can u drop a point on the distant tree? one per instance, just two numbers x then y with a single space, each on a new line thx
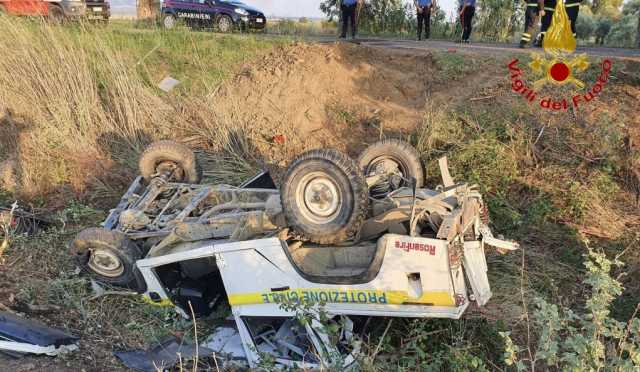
376 16
380 16
606 8
586 25
623 31
330 8
603 26
632 8
495 19
439 25
303 20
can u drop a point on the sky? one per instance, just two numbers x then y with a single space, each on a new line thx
277 8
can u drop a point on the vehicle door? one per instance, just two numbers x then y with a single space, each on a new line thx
475 267
181 9
191 12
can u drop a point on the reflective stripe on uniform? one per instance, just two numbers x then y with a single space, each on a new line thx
571 5
549 9
532 5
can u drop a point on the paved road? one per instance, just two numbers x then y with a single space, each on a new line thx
488 48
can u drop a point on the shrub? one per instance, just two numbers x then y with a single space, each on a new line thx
585 26
587 341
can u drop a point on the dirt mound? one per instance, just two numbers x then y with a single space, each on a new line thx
338 95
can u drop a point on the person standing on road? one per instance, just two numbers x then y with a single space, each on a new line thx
573 8
467 11
423 7
348 9
534 9
549 7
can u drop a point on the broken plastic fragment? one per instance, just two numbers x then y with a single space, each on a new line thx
19 336
167 84
164 356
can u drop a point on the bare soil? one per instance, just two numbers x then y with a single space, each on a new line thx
338 95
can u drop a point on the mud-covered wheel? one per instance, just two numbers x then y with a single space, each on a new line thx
324 197
169 21
108 256
389 165
224 23
56 14
173 160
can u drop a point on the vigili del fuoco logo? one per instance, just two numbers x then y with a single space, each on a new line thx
558 66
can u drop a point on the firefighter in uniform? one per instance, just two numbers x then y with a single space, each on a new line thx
573 8
534 9
549 7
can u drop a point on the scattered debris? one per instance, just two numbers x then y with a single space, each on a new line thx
163 356
20 336
279 139
167 84
226 343
23 221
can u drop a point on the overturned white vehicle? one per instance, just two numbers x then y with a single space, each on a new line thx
361 238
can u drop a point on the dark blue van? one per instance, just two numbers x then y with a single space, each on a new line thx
224 15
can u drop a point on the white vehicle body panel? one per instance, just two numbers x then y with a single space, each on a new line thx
416 278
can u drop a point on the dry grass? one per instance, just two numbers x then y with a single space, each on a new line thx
80 112
71 94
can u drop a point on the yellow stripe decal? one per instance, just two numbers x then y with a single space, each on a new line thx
342 296
162 303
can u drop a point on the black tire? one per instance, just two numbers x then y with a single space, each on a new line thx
319 179
108 256
172 158
56 14
224 23
401 153
169 21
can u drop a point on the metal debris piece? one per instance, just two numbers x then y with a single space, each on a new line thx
23 336
161 357
226 342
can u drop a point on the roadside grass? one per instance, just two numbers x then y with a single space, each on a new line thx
87 102
548 186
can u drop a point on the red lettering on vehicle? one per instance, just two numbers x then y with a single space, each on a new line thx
419 247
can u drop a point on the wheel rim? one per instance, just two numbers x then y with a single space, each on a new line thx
390 167
319 198
105 263
169 22
224 25
171 170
